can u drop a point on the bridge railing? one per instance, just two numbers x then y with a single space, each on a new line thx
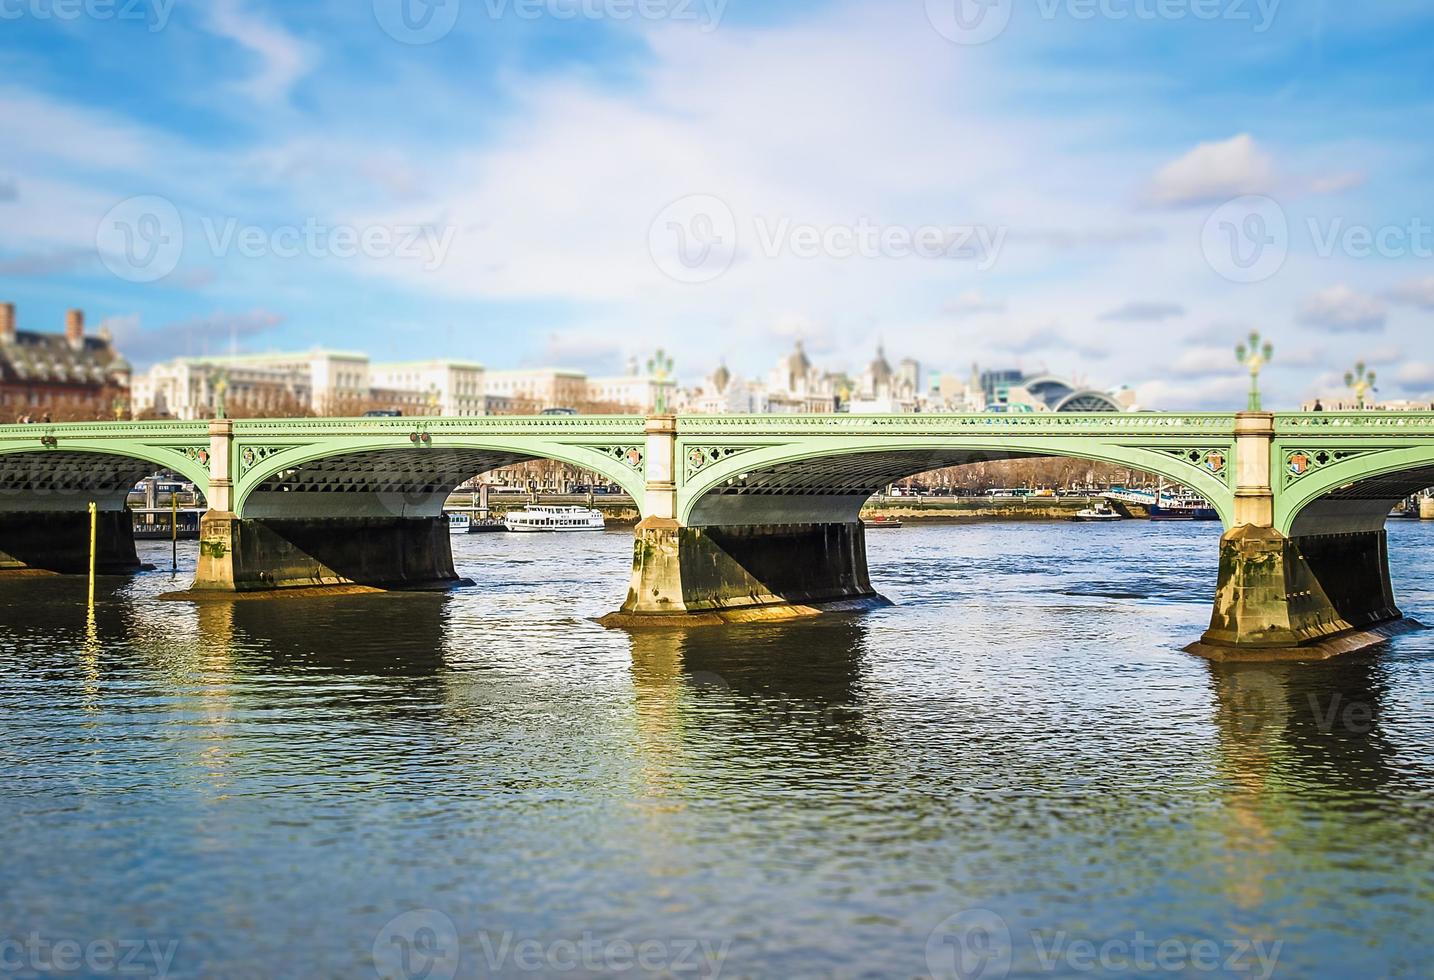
1042 423
156 429
437 424
1307 423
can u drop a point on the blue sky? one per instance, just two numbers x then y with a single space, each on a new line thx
1115 189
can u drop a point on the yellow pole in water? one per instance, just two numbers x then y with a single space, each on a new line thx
174 532
94 533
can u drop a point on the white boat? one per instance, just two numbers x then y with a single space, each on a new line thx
540 518
1098 513
458 523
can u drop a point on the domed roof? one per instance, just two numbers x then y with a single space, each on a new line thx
797 362
721 377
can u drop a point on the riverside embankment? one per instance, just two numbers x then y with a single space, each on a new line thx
917 510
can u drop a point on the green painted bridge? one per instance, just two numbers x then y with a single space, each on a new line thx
744 516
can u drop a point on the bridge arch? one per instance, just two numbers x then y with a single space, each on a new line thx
49 474
1345 490
71 473
800 483
396 476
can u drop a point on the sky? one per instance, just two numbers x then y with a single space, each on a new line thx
1115 190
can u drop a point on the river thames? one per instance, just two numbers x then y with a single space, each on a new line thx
1014 771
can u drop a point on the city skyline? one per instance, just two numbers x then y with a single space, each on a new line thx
286 134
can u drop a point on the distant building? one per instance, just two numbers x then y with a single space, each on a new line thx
795 387
1016 391
887 392
722 393
67 376
538 389
632 392
318 382
429 388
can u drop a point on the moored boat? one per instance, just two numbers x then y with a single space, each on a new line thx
881 522
543 518
1099 513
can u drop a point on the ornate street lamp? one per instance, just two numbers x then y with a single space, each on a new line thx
659 368
1362 381
1254 356
221 385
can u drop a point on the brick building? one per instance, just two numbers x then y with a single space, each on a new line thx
66 376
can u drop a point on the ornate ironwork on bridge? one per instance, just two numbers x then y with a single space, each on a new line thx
740 512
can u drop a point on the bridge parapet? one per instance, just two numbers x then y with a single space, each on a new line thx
1034 423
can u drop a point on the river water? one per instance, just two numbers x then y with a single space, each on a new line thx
1014 771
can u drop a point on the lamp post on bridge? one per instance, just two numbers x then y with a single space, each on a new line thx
1254 356
1362 381
221 385
659 368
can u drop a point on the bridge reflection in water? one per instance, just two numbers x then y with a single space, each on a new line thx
744 517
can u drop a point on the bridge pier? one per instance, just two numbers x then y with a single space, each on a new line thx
1277 592
1311 594
259 554
251 555
735 572
59 541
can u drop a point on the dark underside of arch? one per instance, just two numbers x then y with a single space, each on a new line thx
842 482
411 482
44 510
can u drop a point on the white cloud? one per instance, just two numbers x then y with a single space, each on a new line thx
283 59
1214 394
1143 312
34 126
1342 310
1214 172
1416 375
1338 183
1415 292
1201 362
211 334
973 302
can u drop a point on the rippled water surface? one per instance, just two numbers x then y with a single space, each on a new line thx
1014 758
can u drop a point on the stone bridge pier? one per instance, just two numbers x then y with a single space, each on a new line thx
1301 575
299 533
757 561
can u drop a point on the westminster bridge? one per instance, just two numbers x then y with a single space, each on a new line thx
744 517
